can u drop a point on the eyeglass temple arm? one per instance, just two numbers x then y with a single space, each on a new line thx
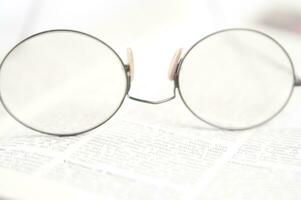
171 75
298 81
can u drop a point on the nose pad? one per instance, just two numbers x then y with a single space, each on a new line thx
130 59
174 64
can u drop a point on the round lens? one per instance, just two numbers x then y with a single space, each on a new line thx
236 79
62 82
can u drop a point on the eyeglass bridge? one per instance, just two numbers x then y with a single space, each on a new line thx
171 76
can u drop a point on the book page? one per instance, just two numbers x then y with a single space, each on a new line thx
134 157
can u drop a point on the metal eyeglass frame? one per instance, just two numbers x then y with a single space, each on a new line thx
173 75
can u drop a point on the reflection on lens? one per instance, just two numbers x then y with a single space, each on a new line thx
62 82
236 79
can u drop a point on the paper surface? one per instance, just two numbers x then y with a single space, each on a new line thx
129 158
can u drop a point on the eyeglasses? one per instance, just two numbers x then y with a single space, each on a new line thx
65 82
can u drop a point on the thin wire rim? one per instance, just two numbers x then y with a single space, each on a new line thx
251 126
70 31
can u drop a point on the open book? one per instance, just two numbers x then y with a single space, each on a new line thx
147 152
